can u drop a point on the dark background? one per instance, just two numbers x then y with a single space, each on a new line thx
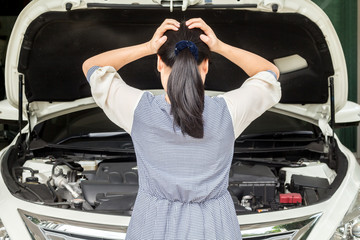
12 7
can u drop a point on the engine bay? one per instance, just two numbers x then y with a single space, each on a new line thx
110 186
279 163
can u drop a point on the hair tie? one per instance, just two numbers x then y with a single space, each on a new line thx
187 44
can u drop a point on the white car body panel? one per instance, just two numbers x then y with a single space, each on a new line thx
349 113
332 210
8 112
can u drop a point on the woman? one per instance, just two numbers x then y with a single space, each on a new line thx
183 140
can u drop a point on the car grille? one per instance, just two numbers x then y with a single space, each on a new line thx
288 229
50 228
44 227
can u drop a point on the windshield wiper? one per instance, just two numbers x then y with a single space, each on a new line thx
312 147
271 161
94 135
307 135
91 149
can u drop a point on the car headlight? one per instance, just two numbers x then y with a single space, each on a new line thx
350 225
3 233
44 227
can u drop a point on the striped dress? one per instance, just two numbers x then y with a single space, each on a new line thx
182 180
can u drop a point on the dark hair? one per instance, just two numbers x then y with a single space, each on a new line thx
185 88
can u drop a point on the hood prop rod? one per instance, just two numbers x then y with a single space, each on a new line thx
332 154
332 104
20 117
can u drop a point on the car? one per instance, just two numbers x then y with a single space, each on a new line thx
71 173
8 123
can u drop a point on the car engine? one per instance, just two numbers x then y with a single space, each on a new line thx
111 186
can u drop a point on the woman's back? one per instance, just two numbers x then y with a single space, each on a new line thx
183 180
179 167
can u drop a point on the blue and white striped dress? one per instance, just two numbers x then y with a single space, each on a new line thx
182 180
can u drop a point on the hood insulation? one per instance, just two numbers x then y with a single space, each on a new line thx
57 43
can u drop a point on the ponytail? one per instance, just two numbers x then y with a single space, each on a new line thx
185 90
185 87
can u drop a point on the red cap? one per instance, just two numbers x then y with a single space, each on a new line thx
290 198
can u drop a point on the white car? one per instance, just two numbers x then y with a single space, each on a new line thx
71 173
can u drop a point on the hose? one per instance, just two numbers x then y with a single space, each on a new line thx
79 168
24 186
51 189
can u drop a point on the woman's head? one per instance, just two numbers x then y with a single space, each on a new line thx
185 82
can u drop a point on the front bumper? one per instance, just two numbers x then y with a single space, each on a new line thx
318 221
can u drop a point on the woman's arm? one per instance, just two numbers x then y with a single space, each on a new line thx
110 92
120 57
260 92
249 62
117 58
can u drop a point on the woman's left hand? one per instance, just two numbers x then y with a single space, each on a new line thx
158 38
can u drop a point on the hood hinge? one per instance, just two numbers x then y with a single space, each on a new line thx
24 143
31 115
330 145
325 127
328 130
328 113
177 3
20 144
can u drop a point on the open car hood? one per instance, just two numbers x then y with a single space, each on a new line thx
51 39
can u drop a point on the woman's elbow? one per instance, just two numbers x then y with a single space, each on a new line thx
86 66
276 71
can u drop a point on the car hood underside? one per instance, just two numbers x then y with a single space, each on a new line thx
57 43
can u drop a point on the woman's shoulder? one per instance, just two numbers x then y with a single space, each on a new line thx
215 101
152 103
215 105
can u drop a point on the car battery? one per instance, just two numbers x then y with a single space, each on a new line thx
257 180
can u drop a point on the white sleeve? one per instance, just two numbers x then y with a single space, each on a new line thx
253 98
114 96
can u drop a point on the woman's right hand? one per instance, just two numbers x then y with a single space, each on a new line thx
209 37
159 38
